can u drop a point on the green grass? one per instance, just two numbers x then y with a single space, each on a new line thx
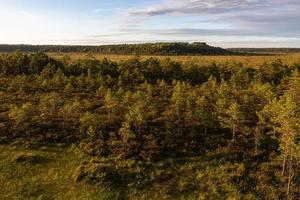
48 173
48 176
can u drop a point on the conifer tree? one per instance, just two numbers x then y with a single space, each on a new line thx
22 115
130 144
233 119
110 102
49 106
284 118
294 87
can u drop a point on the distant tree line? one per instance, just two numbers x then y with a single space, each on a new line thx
197 48
265 50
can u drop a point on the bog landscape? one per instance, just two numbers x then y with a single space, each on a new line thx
118 119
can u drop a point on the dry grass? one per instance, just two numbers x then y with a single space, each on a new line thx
253 60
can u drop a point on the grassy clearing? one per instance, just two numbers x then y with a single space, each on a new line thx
42 174
49 174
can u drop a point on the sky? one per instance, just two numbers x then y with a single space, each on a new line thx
224 23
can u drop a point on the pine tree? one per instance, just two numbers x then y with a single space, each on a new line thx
23 115
130 142
257 96
90 121
284 119
71 111
136 116
68 90
111 103
178 105
294 87
233 119
259 130
204 113
49 107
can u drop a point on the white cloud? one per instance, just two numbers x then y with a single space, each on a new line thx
209 6
195 7
273 18
97 10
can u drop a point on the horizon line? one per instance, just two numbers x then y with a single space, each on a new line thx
149 42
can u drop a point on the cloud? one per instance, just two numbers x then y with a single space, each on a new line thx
200 32
97 10
209 6
273 18
189 7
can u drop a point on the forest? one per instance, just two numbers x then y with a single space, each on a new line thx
171 48
148 128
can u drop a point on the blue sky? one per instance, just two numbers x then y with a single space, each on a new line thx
226 23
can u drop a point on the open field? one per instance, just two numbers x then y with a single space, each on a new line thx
252 60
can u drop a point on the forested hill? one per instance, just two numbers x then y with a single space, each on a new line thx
197 48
